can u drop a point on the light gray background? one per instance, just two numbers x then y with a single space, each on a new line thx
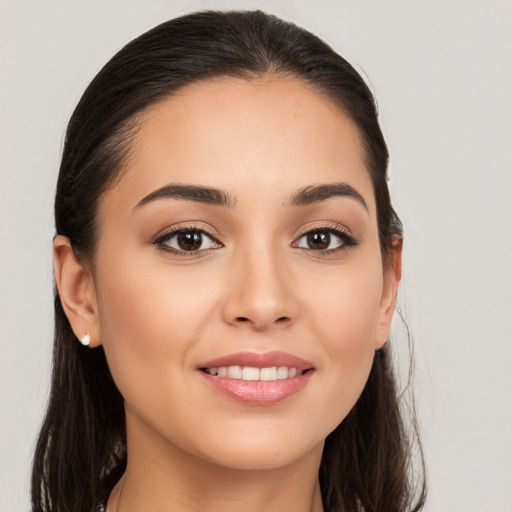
442 73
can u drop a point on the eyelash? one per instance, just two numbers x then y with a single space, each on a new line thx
348 240
160 242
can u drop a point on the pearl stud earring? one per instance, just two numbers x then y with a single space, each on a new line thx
86 339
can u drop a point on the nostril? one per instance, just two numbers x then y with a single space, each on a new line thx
280 320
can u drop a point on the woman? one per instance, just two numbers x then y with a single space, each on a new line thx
228 256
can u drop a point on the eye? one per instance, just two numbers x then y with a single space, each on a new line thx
187 240
326 240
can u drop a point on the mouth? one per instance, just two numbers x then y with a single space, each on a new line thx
252 373
257 378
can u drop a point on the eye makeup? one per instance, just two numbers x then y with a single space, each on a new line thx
345 238
188 236
189 240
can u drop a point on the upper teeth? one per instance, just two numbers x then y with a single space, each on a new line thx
252 373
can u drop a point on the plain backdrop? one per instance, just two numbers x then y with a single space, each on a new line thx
442 74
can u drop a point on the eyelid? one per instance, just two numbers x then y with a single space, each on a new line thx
168 233
336 228
348 240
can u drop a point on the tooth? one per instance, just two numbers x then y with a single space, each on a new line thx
250 373
235 372
253 373
282 372
268 373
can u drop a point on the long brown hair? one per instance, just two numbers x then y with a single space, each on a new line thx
81 449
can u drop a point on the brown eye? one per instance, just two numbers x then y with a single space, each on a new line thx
318 240
187 240
190 240
330 239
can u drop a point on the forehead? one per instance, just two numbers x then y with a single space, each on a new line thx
272 135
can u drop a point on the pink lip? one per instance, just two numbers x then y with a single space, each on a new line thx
258 392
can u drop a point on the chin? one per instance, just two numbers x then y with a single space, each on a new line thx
257 456
262 449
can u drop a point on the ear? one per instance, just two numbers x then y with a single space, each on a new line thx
392 275
77 291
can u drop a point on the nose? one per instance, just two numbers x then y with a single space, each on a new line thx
260 292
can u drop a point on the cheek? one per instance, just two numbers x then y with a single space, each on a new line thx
150 318
345 318
345 304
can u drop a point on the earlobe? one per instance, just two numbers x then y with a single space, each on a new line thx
77 292
387 305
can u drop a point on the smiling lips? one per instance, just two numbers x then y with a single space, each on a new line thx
258 378
253 373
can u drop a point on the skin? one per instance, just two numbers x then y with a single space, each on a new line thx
259 288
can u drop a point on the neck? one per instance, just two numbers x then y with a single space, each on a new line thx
161 477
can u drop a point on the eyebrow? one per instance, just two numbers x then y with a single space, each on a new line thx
196 193
319 193
217 197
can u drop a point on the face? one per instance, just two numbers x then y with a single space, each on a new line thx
279 268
